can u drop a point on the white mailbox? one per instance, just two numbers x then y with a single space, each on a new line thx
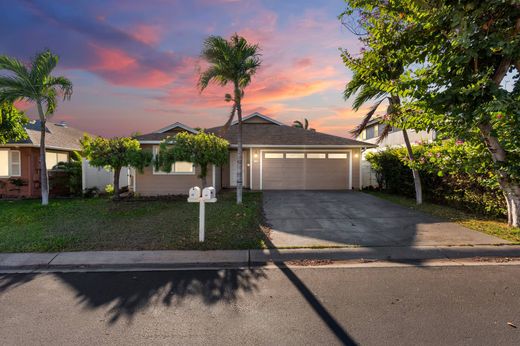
208 193
194 193
208 196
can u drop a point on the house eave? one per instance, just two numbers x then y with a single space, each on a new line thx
29 145
304 146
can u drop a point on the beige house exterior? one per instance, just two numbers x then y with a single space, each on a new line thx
275 157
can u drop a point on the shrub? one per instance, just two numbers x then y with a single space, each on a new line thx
452 172
73 171
109 189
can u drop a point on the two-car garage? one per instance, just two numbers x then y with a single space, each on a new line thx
305 170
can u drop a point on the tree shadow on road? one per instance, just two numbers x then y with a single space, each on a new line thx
130 293
11 281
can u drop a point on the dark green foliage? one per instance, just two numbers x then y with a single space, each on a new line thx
12 123
73 174
115 153
454 174
202 149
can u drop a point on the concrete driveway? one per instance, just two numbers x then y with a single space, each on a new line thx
324 218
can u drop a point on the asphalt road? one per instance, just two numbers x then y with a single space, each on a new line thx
297 306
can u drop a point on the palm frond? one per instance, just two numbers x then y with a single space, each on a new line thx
384 134
365 94
11 82
366 119
63 83
212 74
14 65
297 124
12 95
233 60
42 66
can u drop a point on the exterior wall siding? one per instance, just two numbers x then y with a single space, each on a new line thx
148 184
30 175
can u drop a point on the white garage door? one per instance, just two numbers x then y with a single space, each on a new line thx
292 170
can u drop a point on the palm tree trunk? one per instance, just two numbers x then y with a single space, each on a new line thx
238 98
44 176
416 177
117 173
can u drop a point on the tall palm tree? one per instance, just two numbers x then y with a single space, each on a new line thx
35 83
231 61
364 93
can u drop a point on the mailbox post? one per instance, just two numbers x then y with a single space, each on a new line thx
208 196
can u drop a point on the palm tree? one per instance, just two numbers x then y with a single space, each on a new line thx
231 61
35 83
304 125
364 93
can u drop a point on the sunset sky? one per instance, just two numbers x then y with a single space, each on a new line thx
134 63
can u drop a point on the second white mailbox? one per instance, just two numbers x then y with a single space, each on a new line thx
208 193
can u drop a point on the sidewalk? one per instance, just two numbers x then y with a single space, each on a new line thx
121 260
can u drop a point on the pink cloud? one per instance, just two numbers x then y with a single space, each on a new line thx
148 34
119 68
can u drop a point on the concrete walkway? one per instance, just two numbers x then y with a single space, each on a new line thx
339 218
121 260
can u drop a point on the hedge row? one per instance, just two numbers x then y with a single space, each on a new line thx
453 173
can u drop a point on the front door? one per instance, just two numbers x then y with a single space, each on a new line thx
233 169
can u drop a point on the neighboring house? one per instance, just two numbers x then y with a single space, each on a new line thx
394 139
20 161
276 157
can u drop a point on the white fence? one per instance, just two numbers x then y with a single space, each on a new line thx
100 177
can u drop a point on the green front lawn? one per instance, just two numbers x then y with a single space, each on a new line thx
101 224
496 227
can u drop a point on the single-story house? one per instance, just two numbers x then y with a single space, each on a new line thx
20 161
275 157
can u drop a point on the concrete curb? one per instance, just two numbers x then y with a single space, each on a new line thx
239 258
124 259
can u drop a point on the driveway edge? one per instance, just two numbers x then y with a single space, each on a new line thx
172 259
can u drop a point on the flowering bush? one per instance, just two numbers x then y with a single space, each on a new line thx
452 172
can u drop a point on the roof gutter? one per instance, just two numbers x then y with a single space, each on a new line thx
27 145
304 146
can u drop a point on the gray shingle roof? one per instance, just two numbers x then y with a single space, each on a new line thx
267 134
270 134
57 136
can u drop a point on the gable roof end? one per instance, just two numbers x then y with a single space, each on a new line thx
175 125
259 115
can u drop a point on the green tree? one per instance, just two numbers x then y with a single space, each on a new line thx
373 70
35 83
302 125
114 154
458 58
12 123
203 149
231 61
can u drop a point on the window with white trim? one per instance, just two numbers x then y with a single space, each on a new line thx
337 155
316 155
294 155
274 155
53 158
10 163
179 167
